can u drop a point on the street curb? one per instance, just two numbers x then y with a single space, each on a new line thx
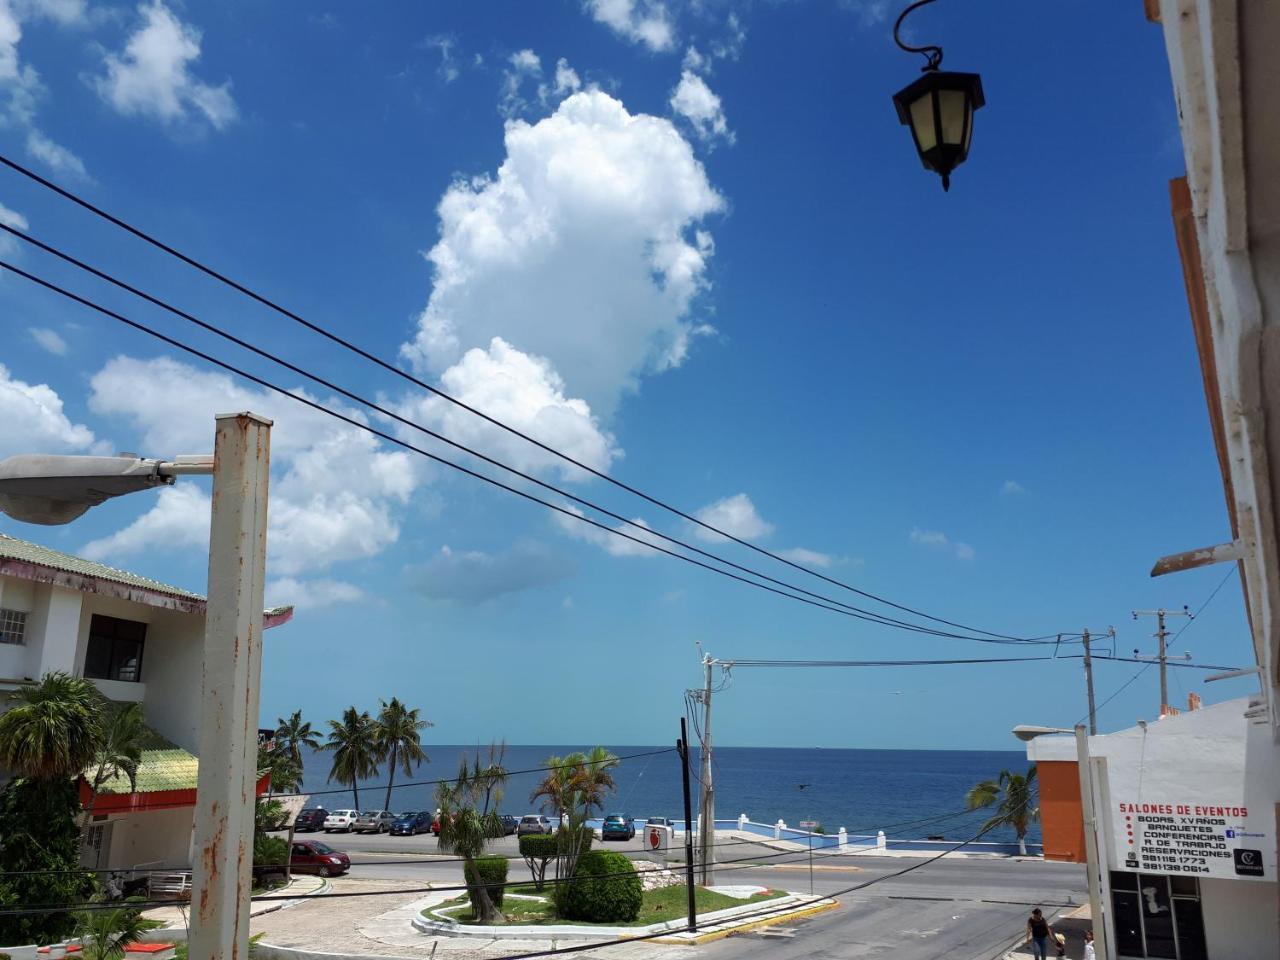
699 939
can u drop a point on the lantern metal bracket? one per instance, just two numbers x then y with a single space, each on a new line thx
931 53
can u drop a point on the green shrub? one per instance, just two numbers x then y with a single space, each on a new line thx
563 836
605 889
270 851
39 858
491 872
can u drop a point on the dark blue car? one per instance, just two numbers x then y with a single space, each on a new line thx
411 824
617 826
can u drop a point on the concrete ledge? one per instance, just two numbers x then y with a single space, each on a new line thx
710 922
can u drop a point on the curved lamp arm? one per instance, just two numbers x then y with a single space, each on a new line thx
932 54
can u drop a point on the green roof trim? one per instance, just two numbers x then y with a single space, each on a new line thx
11 548
23 551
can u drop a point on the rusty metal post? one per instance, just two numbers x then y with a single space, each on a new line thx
225 796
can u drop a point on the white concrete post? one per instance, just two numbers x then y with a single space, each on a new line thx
778 828
742 822
1101 945
843 838
225 793
880 841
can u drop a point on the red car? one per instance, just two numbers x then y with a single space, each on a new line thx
314 856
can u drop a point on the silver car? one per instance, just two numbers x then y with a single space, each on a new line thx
533 823
373 821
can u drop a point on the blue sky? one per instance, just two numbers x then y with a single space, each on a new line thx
688 242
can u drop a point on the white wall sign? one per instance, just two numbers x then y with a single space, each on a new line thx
1199 838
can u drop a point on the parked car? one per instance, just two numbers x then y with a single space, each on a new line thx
312 856
373 821
342 820
509 824
617 826
661 822
411 824
533 823
312 818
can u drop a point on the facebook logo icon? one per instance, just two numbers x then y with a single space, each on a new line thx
1231 833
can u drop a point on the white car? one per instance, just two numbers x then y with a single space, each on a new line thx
342 820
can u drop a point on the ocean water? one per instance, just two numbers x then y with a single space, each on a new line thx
861 790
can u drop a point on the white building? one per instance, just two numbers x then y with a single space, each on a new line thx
1188 805
1186 810
140 641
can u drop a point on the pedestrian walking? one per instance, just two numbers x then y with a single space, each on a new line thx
1039 932
1088 946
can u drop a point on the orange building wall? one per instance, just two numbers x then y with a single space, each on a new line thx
1061 821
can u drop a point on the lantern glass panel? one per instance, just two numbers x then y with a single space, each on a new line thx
951 104
922 122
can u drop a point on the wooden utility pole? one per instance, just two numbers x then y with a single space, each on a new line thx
1161 635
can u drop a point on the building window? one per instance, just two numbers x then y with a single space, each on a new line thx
1157 916
13 626
115 649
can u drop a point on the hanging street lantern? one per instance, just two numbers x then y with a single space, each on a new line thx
938 108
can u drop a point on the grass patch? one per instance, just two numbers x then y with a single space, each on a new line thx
658 906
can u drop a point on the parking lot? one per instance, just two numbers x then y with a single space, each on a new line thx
425 845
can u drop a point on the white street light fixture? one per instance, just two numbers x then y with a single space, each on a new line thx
1027 733
37 488
49 490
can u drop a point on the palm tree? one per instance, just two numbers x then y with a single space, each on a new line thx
466 828
286 775
119 752
399 740
294 734
54 731
572 787
1016 795
105 933
355 750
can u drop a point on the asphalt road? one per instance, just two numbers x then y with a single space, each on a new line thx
909 909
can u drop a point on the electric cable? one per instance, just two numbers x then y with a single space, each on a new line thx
382 434
393 369
405 421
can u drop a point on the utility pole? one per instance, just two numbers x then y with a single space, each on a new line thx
1088 676
1088 682
683 744
226 788
707 836
1161 635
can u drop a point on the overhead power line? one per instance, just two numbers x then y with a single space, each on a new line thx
880 663
422 384
800 594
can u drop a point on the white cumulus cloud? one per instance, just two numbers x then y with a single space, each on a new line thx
578 250
152 76
641 21
336 491
809 558
49 340
179 520
1012 488
695 101
523 392
34 421
635 543
736 516
938 539
55 156
311 594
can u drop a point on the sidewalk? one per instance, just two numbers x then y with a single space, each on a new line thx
1073 924
177 916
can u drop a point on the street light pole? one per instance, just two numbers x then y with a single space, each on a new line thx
1093 864
226 788
47 489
